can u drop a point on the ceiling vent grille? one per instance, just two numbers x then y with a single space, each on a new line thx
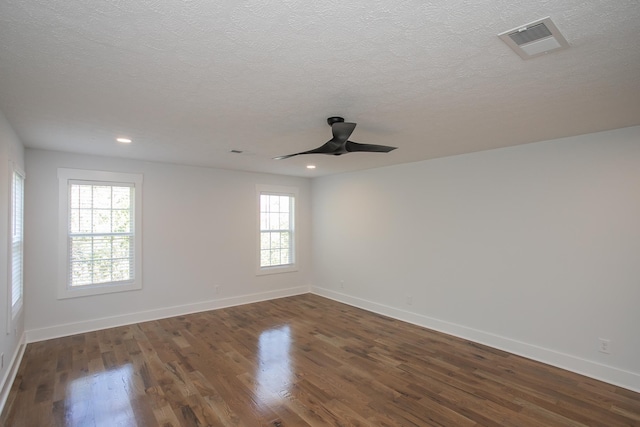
535 38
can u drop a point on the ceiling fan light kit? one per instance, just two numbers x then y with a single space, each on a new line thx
340 144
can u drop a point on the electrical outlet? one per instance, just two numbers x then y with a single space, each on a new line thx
604 346
409 300
216 289
341 284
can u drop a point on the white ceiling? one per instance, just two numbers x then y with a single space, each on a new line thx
190 80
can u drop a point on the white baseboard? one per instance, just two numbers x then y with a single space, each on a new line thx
12 370
598 371
67 329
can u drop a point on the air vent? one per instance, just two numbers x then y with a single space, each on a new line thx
530 34
535 38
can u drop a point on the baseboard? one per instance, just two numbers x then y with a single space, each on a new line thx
67 329
609 374
12 371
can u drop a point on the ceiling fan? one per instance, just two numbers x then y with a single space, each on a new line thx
340 143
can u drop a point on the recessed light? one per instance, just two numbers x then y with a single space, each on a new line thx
311 166
124 140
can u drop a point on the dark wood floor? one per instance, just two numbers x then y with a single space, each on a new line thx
299 361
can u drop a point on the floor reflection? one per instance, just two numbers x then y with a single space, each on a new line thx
101 399
274 365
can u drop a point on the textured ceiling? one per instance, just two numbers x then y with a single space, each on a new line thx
191 80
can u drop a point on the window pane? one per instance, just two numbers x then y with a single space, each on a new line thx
101 221
283 221
102 271
264 258
121 270
101 247
274 241
265 240
121 247
264 203
81 273
121 197
101 197
274 221
121 221
74 196
74 221
81 249
85 195
16 273
284 257
284 240
274 204
86 219
284 203
274 257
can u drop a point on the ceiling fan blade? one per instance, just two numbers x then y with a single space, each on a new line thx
354 146
342 131
328 147
285 157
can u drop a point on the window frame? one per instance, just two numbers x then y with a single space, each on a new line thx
65 178
15 308
277 191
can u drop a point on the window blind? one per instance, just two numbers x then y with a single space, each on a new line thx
17 239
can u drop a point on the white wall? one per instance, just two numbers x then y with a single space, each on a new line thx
11 151
534 249
199 231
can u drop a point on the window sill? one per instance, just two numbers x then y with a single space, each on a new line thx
263 271
89 290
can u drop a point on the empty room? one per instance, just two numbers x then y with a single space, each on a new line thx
414 213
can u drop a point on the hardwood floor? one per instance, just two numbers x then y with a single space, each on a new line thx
298 361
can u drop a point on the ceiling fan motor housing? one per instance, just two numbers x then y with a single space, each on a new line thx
332 120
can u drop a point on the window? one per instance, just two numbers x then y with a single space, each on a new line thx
17 241
100 216
276 249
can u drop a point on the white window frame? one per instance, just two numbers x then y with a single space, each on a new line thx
65 176
279 191
15 308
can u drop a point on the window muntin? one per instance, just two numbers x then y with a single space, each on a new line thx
100 233
17 241
276 234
